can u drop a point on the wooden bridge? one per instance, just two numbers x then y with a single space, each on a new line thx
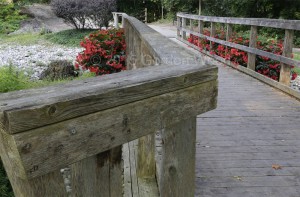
135 133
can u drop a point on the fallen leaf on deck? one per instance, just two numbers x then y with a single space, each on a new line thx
276 167
238 178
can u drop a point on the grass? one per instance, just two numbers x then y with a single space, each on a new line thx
69 38
12 80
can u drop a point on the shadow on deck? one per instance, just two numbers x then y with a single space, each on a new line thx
254 128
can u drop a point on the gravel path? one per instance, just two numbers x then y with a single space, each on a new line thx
33 60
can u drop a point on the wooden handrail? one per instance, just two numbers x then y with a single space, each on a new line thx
262 22
285 59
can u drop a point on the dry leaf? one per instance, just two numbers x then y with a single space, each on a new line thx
238 178
276 167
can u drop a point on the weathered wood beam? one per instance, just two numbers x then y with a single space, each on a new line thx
252 43
285 71
262 22
24 110
48 148
177 176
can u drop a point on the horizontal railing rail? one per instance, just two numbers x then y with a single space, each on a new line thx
285 59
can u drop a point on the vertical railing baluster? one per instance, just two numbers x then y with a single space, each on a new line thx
285 71
178 26
253 44
183 27
212 33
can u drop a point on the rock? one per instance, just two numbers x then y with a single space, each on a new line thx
58 70
42 19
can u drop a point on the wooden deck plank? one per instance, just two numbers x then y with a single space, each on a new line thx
253 128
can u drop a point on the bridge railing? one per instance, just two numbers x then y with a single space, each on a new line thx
66 140
285 59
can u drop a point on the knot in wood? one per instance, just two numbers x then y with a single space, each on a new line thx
51 110
172 170
125 121
26 148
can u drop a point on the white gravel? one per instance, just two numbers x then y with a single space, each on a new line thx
33 60
295 84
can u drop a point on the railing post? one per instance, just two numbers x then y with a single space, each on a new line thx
183 33
200 26
146 165
178 159
122 25
191 24
116 20
178 26
228 31
253 44
99 174
212 33
200 29
285 71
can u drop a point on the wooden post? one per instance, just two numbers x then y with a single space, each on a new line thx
146 15
201 26
116 20
212 33
100 174
253 44
42 186
191 24
178 26
146 157
228 31
200 7
178 159
183 26
122 25
285 71
200 29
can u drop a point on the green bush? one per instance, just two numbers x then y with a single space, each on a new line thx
9 17
5 187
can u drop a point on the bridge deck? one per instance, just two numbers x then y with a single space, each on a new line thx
255 129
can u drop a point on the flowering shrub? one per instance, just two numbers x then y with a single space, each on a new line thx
104 52
264 65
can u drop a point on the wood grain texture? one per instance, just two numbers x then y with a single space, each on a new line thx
285 71
177 176
178 25
263 22
44 185
145 157
99 175
183 33
54 146
229 30
252 43
49 105
212 34
136 186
